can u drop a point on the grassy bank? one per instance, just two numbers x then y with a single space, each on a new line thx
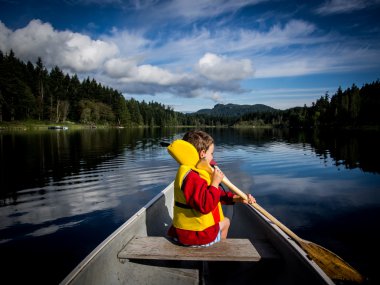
42 125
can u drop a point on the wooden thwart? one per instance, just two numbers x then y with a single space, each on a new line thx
161 248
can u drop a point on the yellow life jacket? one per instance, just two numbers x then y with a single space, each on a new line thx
185 217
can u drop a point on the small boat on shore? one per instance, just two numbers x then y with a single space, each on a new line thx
256 252
58 128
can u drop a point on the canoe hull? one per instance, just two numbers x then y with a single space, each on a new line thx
283 261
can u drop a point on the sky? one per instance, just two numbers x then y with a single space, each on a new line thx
194 54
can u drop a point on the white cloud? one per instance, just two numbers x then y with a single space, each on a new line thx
66 49
119 68
219 68
183 50
215 96
133 77
152 74
198 9
128 71
331 58
129 42
219 74
344 6
4 35
293 33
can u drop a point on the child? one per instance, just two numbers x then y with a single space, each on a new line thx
198 217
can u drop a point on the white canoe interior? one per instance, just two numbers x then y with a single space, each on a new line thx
256 252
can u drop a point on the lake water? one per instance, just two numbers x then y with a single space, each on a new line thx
63 192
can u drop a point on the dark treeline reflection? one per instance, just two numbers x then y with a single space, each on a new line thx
33 159
351 149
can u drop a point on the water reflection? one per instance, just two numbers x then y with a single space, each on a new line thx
72 174
44 157
79 186
349 149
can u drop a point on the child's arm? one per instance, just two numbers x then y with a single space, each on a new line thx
199 195
226 197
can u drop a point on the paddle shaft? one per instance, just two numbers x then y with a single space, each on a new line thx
203 164
237 191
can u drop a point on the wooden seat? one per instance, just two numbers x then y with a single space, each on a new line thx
161 248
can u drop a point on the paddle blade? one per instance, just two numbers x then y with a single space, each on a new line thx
334 266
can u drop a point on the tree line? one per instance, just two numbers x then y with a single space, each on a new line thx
353 107
30 92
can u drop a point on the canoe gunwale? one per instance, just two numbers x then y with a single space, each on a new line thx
294 245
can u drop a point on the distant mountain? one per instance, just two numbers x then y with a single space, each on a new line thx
232 110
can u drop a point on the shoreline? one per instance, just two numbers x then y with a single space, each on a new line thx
45 125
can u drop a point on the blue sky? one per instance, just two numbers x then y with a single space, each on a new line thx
193 54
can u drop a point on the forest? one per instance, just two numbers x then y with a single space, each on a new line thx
30 92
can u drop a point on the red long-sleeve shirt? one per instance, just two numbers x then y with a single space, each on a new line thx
204 199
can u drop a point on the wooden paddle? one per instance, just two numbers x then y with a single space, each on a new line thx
334 266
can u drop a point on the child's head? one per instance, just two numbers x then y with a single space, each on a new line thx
203 143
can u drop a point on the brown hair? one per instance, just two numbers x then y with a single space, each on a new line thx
201 140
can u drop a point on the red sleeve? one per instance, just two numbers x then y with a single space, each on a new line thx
199 195
226 197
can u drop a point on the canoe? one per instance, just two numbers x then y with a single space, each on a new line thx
271 256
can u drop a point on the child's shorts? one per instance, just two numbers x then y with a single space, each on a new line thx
217 239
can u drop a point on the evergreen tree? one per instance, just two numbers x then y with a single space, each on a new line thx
41 75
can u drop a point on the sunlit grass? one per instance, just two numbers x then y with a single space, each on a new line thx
42 125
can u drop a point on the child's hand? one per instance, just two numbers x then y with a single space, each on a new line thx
250 201
217 177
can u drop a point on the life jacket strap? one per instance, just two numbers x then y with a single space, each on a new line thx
181 205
